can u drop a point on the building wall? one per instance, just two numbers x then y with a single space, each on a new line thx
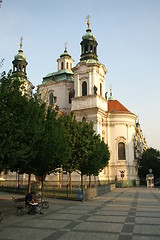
121 128
60 90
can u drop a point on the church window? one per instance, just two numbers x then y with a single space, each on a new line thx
86 48
94 49
101 89
84 88
51 99
19 67
70 65
121 151
70 97
67 65
91 48
61 65
83 119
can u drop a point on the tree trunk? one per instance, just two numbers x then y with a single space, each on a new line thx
89 180
29 182
82 185
18 181
95 181
42 188
70 182
62 177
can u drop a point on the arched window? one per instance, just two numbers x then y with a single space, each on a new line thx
67 65
91 48
70 65
51 99
121 151
84 119
70 97
101 89
86 48
84 88
61 65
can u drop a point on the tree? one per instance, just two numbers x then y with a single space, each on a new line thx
150 159
69 126
52 147
84 147
98 159
21 124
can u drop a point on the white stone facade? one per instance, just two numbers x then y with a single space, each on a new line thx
115 123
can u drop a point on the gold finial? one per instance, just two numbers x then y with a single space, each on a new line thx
21 39
88 22
110 90
66 44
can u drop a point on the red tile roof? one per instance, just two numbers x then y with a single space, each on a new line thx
115 106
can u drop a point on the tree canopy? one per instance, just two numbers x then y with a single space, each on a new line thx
150 159
34 140
31 140
52 148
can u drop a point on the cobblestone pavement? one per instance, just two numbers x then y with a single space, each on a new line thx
125 214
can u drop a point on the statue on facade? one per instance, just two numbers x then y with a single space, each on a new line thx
95 89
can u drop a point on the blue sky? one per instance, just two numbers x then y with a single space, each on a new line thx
128 35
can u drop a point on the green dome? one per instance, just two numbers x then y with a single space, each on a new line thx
65 53
20 56
88 35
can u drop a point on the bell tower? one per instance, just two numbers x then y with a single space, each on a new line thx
19 69
20 64
89 102
88 45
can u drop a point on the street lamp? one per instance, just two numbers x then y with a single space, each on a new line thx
122 174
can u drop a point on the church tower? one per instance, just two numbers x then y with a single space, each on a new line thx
57 88
19 69
89 103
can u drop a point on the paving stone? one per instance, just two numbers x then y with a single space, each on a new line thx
147 229
71 225
128 228
55 235
88 236
130 219
110 219
125 237
100 226
61 216
25 233
125 214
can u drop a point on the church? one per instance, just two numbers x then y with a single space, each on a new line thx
81 88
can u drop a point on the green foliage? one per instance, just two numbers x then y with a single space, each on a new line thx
150 159
99 157
87 153
84 145
21 122
70 130
52 148
34 140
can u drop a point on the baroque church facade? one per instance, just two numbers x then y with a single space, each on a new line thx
81 89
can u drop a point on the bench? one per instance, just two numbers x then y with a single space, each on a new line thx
1 216
43 204
20 205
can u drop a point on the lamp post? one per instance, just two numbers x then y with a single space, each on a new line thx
122 175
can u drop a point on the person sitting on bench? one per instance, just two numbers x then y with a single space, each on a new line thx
33 206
